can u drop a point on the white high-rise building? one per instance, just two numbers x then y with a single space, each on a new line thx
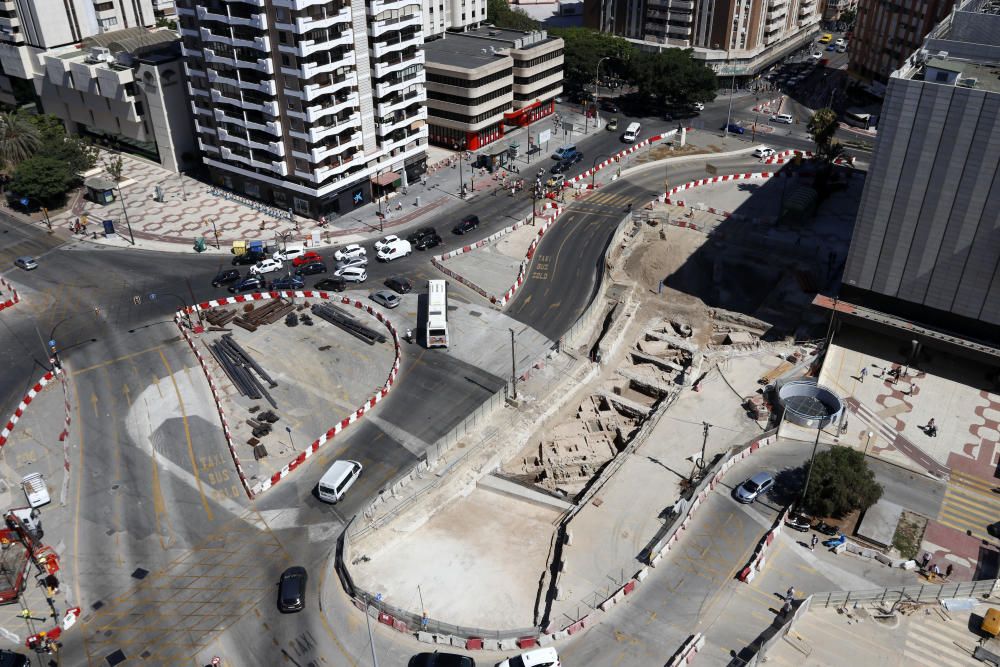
307 105
441 16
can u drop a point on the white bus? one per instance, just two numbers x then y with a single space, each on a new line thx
437 313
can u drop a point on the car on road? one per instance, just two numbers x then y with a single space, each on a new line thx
467 224
699 106
385 298
311 269
842 48
428 242
817 55
398 284
753 488
292 589
225 277
564 152
26 262
437 659
539 657
841 42
349 251
288 282
249 284
307 258
554 181
831 47
825 39
415 237
395 250
12 659
763 152
783 118
608 105
248 258
733 128
352 274
351 261
266 266
289 253
612 125
385 242
335 284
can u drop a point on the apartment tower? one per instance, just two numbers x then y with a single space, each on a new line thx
309 105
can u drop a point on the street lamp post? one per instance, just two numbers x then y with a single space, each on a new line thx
125 211
513 364
593 168
732 91
25 200
870 436
215 231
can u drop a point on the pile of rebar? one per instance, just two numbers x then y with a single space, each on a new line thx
268 314
219 318
238 365
338 317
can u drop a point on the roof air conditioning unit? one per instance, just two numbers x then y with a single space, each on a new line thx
494 33
98 54
969 82
942 54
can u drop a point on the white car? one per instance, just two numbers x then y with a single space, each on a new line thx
289 253
539 657
782 118
352 274
816 56
395 250
353 250
842 48
763 152
841 42
385 242
699 106
266 266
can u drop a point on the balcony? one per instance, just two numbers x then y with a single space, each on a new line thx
317 155
259 43
260 65
389 145
678 32
204 14
398 102
315 112
309 70
398 64
397 43
775 15
269 165
395 85
376 7
303 25
687 5
382 27
313 90
342 165
308 47
297 5
401 121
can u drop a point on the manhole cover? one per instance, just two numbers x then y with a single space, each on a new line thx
97 605
475 313
140 573
116 658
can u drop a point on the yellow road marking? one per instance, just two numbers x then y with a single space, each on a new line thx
79 488
115 361
187 436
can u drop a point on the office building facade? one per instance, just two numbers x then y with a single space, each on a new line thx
926 244
314 107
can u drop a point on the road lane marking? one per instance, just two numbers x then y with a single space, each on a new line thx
114 361
187 436
79 489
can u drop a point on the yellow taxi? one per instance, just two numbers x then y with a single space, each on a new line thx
826 39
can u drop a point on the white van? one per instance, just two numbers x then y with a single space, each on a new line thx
394 250
631 133
337 480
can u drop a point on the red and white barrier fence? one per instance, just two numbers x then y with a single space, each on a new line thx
770 106
262 486
23 405
685 654
757 561
14 299
619 155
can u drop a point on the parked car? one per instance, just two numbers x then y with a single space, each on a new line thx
352 274
539 657
797 522
335 284
292 589
288 283
733 128
842 48
351 261
841 42
385 242
467 224
266 266
248 258
13 659
26 262
763 152
225 277
831 47
783 118
307 258
395 250
438 659
612 125
429 242
399 284
349 251
756 486
415 237
311 269
384 297
249 284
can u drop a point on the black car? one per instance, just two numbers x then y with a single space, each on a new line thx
437 659
292 589
560 167
248 258
335 284
225 277
288 282
398 284
468 223
249 284
428 242
12 659
574 158
310 269
608 105
415 237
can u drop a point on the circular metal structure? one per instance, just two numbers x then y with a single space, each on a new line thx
810 404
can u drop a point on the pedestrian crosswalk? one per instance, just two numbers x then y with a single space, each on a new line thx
605 199
933 638
969 505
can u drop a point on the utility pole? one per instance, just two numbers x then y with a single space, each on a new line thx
812 459
371 637
125 213
513 364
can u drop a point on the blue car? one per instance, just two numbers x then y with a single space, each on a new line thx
288 282
733 128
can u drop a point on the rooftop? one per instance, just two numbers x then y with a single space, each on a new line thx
978 76
458 50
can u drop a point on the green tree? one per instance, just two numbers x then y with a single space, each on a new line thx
840 482
672 75
114 166
822 126
19 140
42 177
848 16
502 15
582 51
79 155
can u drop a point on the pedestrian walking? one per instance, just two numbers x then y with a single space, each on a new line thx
864 372
931 428
936 570
813 542
926 559
790 593
948 570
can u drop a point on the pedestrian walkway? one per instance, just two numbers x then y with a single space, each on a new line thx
970 505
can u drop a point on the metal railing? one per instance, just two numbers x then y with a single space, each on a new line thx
921 593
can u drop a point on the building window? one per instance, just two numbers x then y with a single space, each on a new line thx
301 205
251 188
107 23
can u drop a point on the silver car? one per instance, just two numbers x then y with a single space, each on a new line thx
386 298
351 261
27 263
756 486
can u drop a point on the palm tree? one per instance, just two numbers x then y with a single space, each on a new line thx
19 140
